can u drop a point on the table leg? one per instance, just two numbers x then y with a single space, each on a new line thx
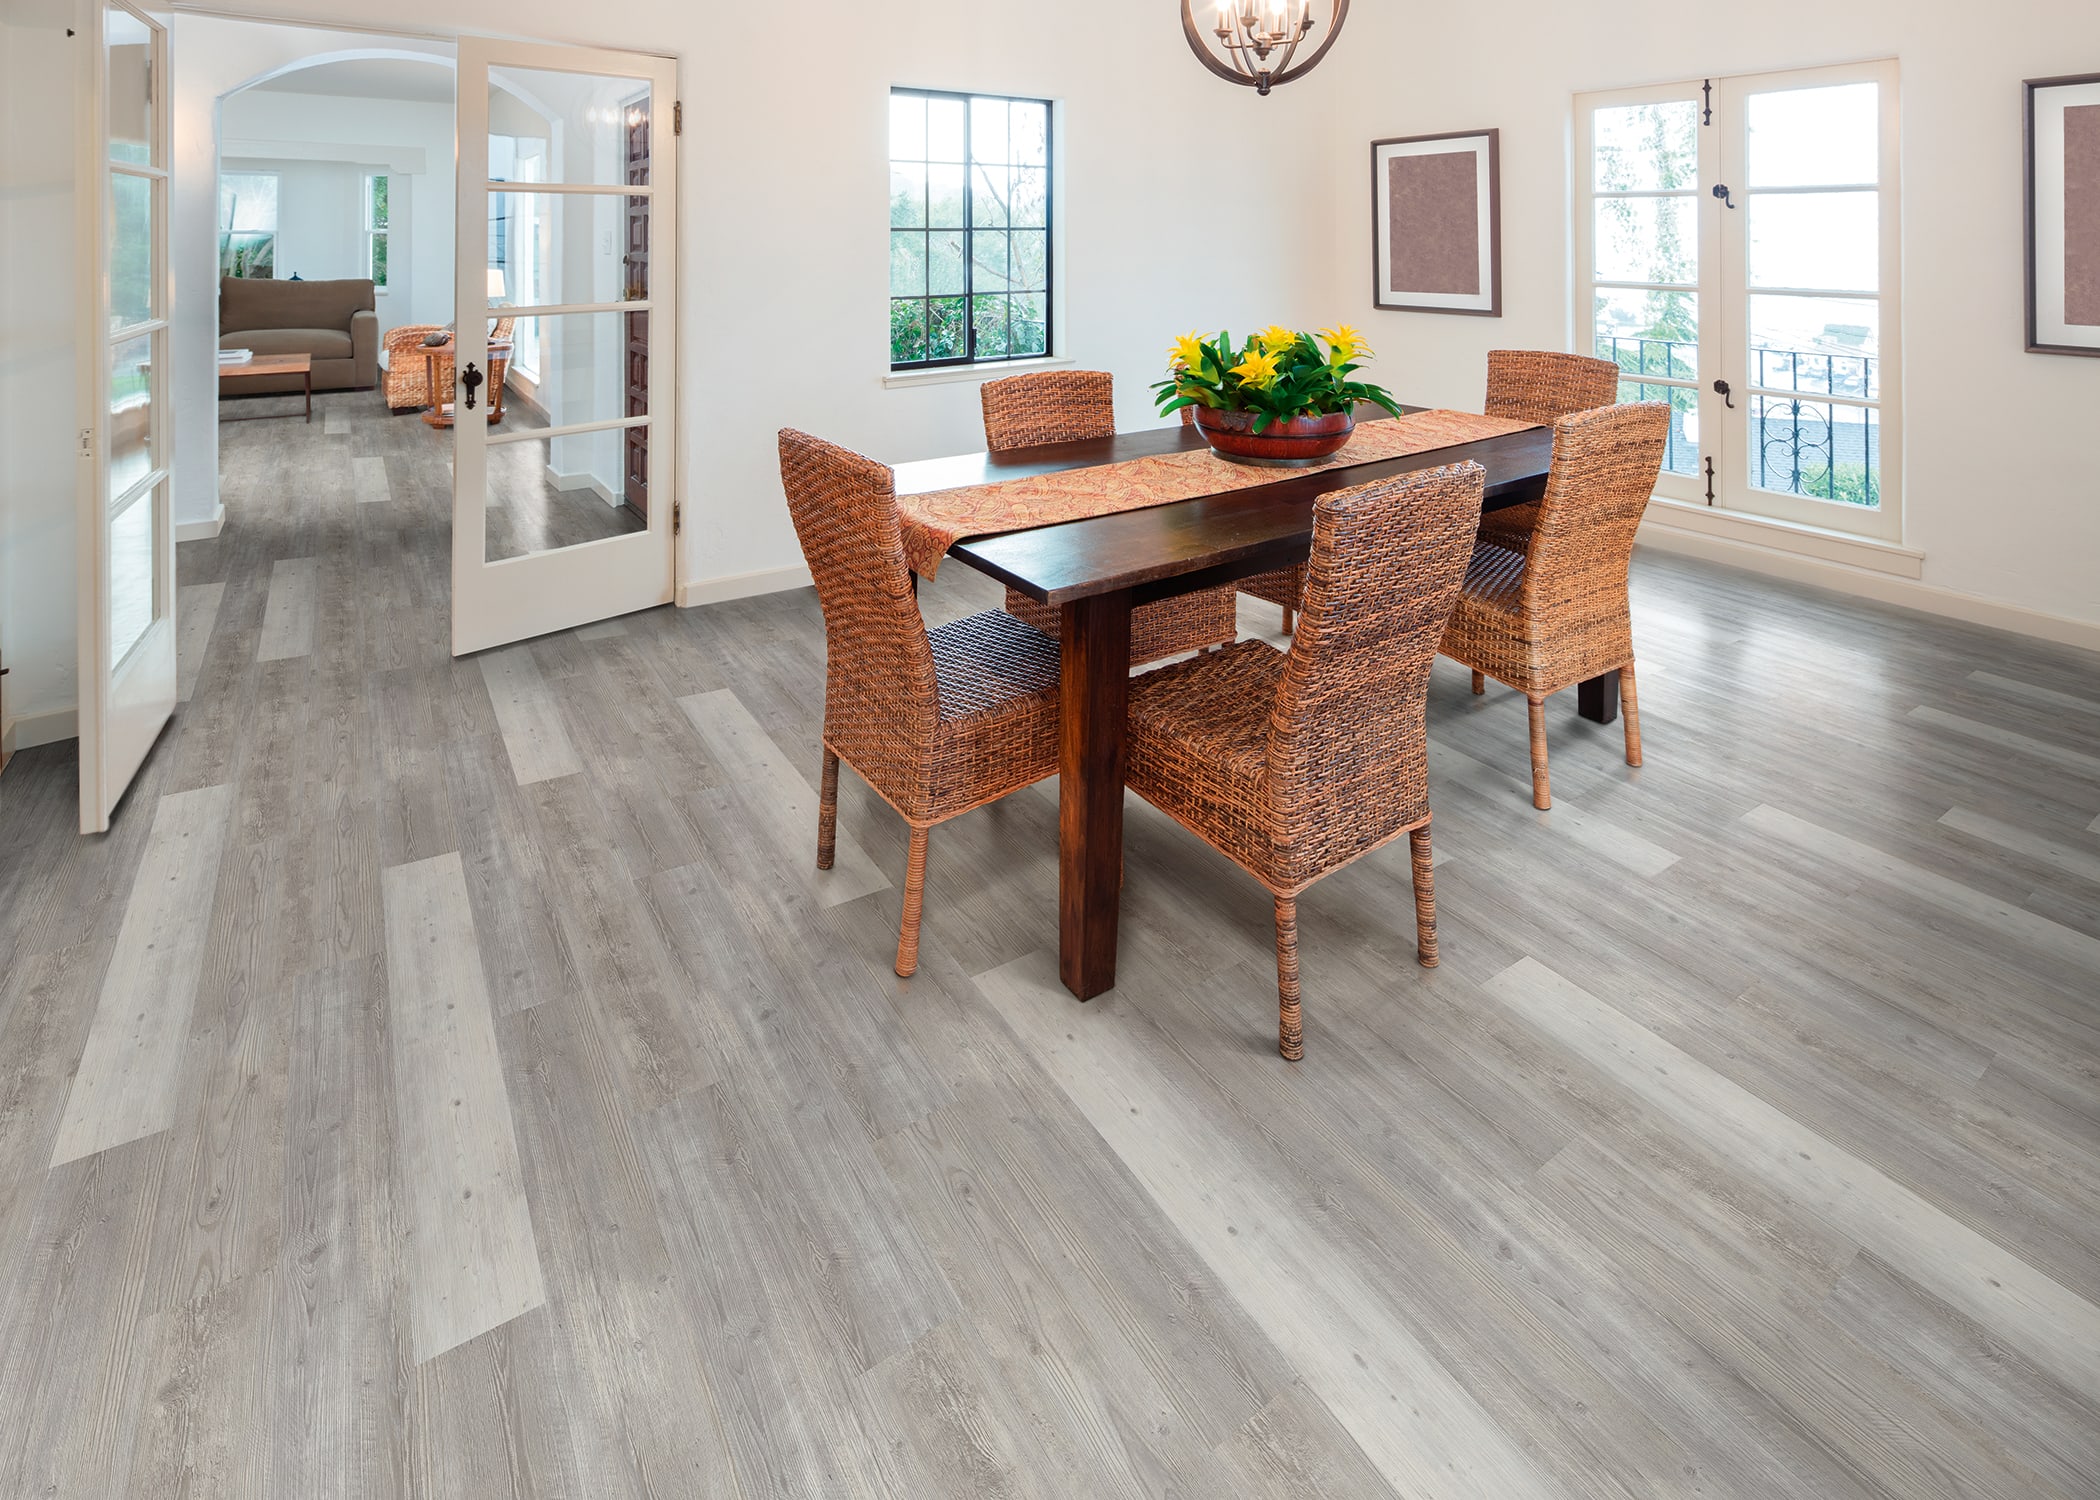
1095 690
1598 698
309 395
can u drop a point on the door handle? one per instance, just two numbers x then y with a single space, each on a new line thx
1721 389
1721 192
471 378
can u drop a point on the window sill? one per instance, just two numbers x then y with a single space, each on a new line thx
898 380
1785 536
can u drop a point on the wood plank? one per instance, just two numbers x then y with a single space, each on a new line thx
1598 835
126 1083
288 619
196 613
2056 1329
369 471
533 733
779 797
2077 761
2079 864
474 1263
1416 1423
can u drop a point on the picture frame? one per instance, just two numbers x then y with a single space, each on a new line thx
1436 223
2062 228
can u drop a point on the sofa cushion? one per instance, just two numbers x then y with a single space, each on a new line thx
247 302
321 343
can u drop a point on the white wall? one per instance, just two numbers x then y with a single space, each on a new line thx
38 611
2000 490
212 58
785 188
339 139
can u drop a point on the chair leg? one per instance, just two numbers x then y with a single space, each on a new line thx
1290 619
1541 785
914 897
1425 897
1629 705
828 812
1480 683
1290 1024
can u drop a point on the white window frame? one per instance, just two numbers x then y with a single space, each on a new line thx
1723 292
374 233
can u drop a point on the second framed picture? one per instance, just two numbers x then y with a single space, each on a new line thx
1436 223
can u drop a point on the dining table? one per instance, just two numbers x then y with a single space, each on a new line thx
1095 570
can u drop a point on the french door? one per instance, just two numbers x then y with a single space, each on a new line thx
126 530
1738 241
566 345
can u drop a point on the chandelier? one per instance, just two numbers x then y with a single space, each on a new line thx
1257 42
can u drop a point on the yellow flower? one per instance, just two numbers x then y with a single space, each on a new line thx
1188 352
1344 344
1257 370
1277 339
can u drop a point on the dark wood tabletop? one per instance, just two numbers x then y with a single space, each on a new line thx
1188 544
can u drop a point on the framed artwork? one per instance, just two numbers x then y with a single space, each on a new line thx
1436 223
2063 215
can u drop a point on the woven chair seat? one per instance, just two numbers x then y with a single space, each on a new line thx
1199 740
988 663
1511 526
1494 578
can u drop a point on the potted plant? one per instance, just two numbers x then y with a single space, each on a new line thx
1281 398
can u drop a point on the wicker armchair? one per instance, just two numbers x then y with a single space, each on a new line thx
937 722
1293 764
1555 613
404 384
1540 385
1066 406
407 385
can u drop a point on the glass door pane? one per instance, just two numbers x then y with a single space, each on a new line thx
1811 229
565 182
1645 262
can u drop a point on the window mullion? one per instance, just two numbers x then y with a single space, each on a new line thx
969 153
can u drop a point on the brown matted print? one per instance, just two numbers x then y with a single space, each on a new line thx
1436 223
2063 214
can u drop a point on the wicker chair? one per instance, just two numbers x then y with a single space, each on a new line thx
406 385
937 722
1540 385
1066 406
1555 613
1293 764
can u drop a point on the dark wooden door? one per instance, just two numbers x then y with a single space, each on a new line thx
637 275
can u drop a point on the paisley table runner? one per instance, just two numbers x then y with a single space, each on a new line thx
936 521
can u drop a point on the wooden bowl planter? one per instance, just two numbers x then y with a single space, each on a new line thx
1291 443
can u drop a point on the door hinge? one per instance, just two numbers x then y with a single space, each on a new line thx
1709 481
87 442
677 518
678 117
1707 88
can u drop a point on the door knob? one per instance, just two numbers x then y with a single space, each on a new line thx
471 378
1721 389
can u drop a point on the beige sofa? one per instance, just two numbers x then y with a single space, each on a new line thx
331 320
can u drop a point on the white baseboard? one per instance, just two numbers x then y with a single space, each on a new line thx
569 483
202 531
1883 587
742 586
31 730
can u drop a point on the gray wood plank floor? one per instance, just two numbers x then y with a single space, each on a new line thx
455 1079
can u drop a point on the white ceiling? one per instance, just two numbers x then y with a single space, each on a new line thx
370 78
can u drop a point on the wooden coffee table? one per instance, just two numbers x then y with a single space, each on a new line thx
268 364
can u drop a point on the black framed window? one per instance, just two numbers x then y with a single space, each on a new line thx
970 273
